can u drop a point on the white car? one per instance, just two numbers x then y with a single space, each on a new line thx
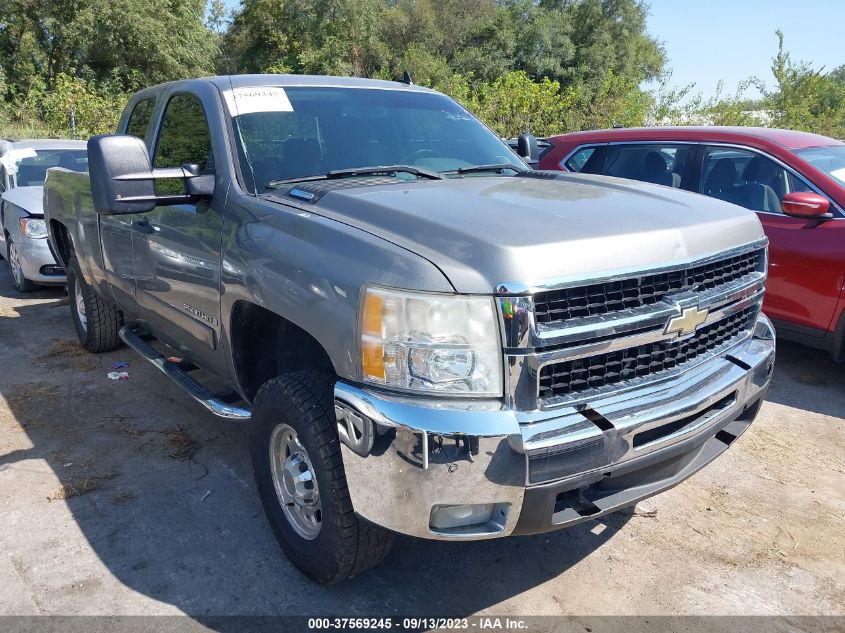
23 167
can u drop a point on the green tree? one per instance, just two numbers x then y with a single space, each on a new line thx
805 98
81 56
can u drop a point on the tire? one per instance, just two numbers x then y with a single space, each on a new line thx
21 283
97 321
344 545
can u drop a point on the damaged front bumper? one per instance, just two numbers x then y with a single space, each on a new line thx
409 459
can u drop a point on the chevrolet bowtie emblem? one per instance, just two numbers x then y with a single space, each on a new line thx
687 321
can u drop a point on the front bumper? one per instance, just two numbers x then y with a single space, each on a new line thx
544 470
38 263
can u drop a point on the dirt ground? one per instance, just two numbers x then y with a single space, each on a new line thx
124 497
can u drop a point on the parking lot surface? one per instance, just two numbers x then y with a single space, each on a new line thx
125 497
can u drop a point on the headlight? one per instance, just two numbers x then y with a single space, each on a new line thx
34 228
444 344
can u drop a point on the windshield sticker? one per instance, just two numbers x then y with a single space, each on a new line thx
257 99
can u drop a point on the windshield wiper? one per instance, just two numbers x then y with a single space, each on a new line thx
359 171
496 167
384 169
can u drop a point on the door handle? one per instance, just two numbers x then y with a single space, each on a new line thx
143 226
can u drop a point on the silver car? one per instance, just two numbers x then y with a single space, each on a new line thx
23 167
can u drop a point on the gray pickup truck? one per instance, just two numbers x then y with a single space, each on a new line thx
427 337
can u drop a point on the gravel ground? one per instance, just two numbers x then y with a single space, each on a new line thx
127 498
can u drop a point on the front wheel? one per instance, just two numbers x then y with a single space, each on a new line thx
299 474
97 321
19 281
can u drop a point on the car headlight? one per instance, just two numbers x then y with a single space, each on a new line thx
446 344
34 228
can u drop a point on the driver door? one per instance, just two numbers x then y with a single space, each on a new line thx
177 248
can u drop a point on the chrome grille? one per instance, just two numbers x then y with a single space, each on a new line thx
613 296
571 377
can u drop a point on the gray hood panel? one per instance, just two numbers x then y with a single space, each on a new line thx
30 199
486 231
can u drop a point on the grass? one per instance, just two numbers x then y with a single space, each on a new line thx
80 358
69 349
183 444
34 391
79 487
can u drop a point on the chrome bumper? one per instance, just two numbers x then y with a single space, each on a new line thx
547 469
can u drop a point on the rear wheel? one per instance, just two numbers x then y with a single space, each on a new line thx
299 474
19 281
97 321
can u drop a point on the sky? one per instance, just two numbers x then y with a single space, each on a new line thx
711 40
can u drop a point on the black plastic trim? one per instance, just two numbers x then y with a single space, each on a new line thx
545 507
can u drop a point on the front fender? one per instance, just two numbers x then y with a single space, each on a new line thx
310 270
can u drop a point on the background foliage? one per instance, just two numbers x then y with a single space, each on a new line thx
551 66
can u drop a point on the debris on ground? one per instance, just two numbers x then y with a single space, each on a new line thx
122 427
123 497
644 510
79 488
184 445
34 391
69 348
59 457
811 379
84 363
208 492
118 375
31 405
120 364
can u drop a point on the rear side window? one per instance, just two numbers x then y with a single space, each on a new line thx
183 138
661 164
743 177
577 160
139 120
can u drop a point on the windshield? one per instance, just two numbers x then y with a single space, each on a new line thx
29 166
297 132
829 159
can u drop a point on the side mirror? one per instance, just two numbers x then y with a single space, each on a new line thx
805 204
528 148
123 179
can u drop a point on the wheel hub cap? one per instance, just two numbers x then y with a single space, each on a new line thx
80 305
295 482
15 264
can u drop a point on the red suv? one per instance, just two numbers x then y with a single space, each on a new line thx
795 181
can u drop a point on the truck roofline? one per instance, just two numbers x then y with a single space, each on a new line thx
227 82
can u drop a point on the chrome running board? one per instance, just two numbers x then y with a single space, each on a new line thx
221 405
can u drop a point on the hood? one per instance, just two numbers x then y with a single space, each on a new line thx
488 232
30 199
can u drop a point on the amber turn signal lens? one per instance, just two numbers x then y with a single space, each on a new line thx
372 354
373 361
373 310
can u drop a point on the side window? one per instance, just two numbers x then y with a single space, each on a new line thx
661 164
2 179
743 177
797 184
139 120
183 138
576 161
